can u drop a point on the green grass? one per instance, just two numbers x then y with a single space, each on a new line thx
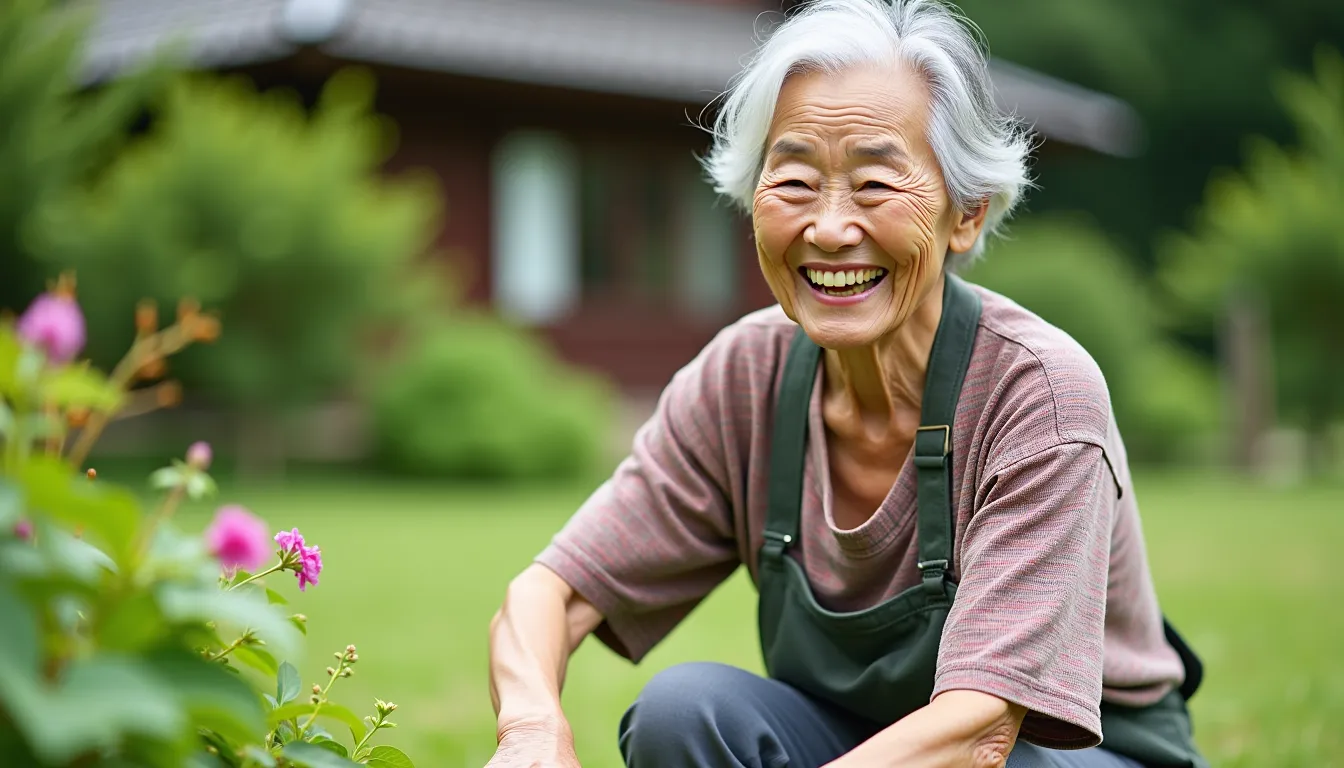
413 575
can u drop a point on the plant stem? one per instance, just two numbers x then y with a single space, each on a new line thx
322 698
256 576
376 727
231 647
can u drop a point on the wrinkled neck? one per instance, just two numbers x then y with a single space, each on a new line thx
884 381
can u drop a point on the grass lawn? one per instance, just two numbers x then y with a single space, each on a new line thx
413 575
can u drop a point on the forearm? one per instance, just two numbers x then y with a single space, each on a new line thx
541 622
958 729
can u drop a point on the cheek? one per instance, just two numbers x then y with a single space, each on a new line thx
777 225
905 228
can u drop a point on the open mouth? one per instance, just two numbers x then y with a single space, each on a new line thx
850 282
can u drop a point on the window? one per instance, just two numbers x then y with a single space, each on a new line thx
535 227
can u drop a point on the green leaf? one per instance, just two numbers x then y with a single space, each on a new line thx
302 626
275 598
212 696
100 703
168 477
240 608
79 386
19 639
10 350
109 514
259 756
389 757
6 419
309 755
132 624
200 486
288 684
290 711
331 745
11 504
259 659
348 718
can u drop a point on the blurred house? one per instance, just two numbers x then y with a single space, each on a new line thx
563 133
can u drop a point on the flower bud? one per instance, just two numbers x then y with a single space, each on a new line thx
354 657
337 655
314 699
330 671
349 649
317 688
77 417
347 672
54 324
92 473
146 317
199 455
23 529
168 394
204 329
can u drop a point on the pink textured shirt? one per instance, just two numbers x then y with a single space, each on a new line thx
1055 608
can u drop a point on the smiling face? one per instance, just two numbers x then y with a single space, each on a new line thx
852 218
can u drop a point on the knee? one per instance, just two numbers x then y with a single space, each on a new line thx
682 711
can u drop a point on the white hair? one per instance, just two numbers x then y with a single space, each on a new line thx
982 152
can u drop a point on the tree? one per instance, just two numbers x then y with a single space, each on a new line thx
1269 233
55 135
276 217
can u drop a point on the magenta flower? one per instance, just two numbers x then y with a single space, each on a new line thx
199 455
312 566
238 538
305 561
23 529
54 324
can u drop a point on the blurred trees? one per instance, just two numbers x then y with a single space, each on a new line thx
1268 235
1065 269
271 216
54 136
1199 72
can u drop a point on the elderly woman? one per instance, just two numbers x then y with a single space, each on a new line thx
924 479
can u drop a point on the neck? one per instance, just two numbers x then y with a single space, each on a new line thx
885 380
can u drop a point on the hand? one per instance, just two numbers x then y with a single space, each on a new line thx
535 745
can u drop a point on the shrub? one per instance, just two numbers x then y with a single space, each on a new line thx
276 217
125 641
477 399
1064 269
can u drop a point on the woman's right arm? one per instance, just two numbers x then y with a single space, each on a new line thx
542 621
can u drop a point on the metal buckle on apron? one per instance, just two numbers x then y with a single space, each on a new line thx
776 543
932 573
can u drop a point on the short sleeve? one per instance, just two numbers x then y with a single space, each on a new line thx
1028 621
658 536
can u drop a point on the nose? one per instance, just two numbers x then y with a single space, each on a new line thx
833 231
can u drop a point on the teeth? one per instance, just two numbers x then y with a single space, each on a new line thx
844 278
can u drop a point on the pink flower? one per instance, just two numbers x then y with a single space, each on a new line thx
23 529
54 324
289 541
238 538
305 561
199 455
312 566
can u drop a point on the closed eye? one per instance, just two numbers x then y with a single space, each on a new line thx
876 185
798 183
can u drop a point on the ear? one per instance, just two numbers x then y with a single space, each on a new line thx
967 228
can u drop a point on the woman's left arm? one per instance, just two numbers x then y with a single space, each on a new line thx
1023 641
958 729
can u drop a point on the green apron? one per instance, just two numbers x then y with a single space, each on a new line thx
879 663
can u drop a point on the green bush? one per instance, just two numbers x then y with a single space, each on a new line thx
476 399
1064 269
275 215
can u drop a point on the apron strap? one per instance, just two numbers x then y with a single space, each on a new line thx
948 361
788 445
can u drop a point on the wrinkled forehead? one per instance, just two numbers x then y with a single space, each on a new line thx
869 111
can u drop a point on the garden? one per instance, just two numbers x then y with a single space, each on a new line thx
177 244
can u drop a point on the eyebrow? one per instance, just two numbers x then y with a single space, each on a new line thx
790 147
883 151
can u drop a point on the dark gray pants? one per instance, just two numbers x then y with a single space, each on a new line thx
715 716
